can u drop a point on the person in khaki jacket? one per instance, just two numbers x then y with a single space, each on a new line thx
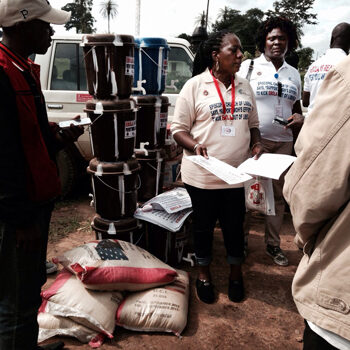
317 187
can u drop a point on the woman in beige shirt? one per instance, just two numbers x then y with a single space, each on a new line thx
205 124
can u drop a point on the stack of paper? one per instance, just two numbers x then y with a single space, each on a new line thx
168 210
268 165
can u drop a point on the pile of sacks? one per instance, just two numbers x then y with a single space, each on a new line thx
110 282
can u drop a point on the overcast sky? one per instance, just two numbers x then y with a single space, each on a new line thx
167 18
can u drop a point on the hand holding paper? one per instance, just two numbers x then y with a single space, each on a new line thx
222 170
269 165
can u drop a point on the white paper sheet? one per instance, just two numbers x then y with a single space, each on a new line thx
171 201
268 165
222 170
172 222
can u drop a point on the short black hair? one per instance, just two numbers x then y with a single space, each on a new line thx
203 58
284 24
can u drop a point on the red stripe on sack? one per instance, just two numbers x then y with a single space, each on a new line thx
97 341
123 274
119 311
81 272
60 280
42 306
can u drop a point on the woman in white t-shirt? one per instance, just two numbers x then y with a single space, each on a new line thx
206 124
277 88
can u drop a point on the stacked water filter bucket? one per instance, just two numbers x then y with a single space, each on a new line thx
109 61
151 61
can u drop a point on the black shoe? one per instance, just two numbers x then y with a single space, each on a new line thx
236 290
277 255
50 268
205 291
53 346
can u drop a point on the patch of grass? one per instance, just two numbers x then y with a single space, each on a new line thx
64 224
85 226
69 216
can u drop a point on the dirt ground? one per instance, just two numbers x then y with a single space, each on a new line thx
266 319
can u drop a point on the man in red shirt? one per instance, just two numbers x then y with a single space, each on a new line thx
29 181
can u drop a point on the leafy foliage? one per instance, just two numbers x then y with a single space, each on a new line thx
244 25
109 10
201 19
185 36
81 18
296 10
305 58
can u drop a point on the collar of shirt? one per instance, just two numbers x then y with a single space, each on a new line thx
207 77
336 51
263 61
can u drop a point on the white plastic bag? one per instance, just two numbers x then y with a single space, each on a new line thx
259 195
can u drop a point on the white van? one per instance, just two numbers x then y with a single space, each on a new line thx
63 82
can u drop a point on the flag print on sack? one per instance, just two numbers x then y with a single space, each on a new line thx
110 250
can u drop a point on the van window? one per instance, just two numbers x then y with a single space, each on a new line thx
179 70
68 71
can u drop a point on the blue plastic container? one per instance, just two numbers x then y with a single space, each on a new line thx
151 63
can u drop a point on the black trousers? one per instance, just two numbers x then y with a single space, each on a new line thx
312 341
225 205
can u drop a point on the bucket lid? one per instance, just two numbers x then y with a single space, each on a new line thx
113 168
151 100
99 106
107 39
113 227
151 42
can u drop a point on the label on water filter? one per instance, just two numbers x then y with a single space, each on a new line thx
130 129
163 120
129 65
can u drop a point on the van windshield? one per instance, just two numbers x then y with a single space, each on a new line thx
179 70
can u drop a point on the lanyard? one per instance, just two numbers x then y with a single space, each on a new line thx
279 88
233 94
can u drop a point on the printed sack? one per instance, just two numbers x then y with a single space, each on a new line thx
50 326
259 195
116 265
157 310
68 297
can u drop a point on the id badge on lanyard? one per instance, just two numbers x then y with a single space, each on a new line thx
226 130
278 120
278 106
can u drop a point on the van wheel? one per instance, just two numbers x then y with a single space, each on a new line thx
67 170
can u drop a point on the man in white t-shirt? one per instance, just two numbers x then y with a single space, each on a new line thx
339 49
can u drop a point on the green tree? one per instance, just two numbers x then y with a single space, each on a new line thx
109 10
244 25
200 19
81 18
185 36
298 11
305 58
